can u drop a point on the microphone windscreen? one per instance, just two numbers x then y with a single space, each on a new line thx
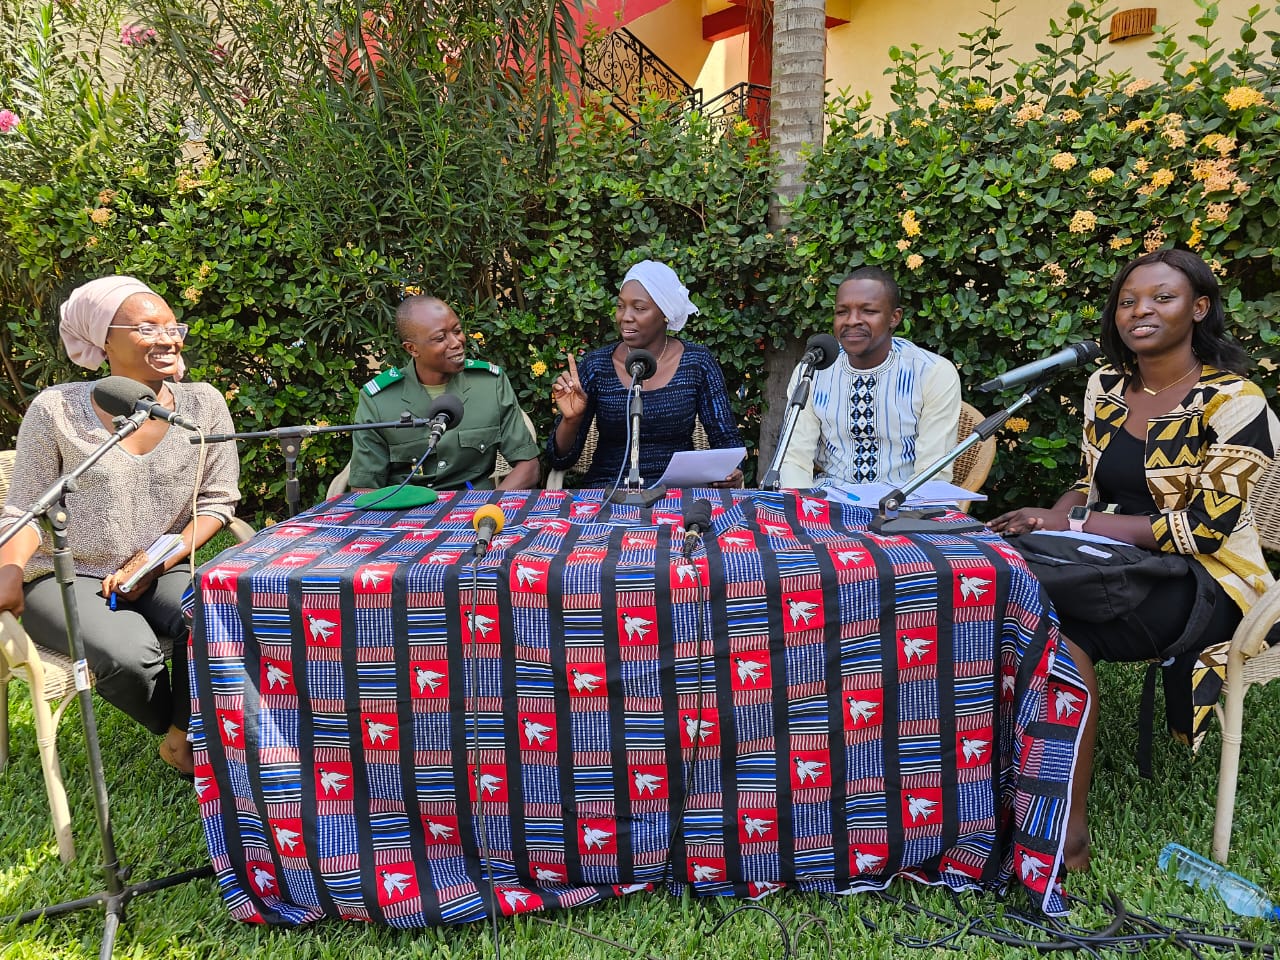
698 514
1088 350
489 512
826 346
448 407
119 396
647 361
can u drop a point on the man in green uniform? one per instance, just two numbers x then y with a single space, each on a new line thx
492 419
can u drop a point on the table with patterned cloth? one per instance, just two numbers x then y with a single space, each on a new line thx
385 730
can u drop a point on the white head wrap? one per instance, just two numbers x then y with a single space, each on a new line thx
88 313
666 290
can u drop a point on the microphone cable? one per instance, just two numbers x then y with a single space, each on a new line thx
402 484
626 455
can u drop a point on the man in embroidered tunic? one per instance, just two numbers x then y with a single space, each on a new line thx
882 411
492 419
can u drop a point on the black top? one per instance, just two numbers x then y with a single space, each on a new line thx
1122 475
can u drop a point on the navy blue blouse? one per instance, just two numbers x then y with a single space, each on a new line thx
697 391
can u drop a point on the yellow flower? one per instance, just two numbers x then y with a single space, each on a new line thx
1174 136
904 244
1017 424
1141 164
191 295
91 243
1239 188
919 123
1032 111
1146 190
1196 239
1154 240
1119 243
910 225
1008 100
1218 269
984 104
915 261
186 183
1070 116
1210 140
1101 174
412 290
1137 86
1225 145
206 268
105 197
1240 98
1137 126
1063 161
100 215
1217 212
1056 273
1162 177
478 337
538 369
1083 221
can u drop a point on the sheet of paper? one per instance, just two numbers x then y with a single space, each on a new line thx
697 468
165 547
931 492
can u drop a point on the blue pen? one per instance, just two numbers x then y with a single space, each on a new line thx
111 600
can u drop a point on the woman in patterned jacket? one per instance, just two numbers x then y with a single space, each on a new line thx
1174 436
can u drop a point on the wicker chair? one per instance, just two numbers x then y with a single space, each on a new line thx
338 485
970 469
1250 660
52 674
555 479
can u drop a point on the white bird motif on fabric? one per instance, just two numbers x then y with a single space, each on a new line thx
287 839
866 862
775 530
633 888
1065 703
636 626
516 898
973 749
490 783
801 610
1008 682
438 831
230 728
697 729
810 507
920 807
331 781
737 539
293 559
263 879
809 769
546 875
427 678
395 884
585 682
686 571
756 826
703 872
442 556
973 587
634 541
379 732
861 709
372 577
915 647
764 887
219 576
321 630
276 677
594 836
527 576
646 781
202 784
479 623
749 670
534 731
1032 868
850 556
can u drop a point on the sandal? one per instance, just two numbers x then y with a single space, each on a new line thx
168 755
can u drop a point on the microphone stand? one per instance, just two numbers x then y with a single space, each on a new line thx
893 519
633 493
291 445
799 397
52 511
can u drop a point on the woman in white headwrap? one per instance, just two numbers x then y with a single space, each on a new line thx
687 386
142 488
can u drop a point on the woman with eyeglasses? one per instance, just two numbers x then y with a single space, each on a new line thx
142 488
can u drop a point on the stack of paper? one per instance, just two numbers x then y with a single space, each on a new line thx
144 561
929 493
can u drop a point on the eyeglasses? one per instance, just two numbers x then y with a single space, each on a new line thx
151 331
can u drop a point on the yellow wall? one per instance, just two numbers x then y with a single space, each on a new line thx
857 53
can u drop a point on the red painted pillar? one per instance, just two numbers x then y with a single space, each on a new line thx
760 59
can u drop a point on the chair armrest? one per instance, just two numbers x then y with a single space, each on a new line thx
1250 637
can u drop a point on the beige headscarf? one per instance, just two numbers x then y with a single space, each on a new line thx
89 311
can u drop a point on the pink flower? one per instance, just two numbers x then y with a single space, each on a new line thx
136 35
8 120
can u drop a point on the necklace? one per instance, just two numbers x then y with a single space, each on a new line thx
665 340
1153 393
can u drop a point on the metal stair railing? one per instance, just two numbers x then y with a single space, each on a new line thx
621 64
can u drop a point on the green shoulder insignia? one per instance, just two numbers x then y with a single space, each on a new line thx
383 380
482 365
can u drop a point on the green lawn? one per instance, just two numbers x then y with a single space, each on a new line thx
157 831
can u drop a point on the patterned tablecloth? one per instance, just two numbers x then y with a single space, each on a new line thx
801 705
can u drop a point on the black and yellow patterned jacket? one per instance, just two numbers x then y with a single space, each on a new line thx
1201 459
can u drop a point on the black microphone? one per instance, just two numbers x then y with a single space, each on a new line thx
697 521
122 397
641 364
1064 359
444 414
821 351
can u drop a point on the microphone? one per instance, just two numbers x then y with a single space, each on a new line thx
697 521
122 397
444 413
1064 359
488 521
641 364
821 351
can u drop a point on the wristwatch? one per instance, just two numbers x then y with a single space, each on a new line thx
1076 517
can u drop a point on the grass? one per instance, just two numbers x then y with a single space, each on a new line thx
157 831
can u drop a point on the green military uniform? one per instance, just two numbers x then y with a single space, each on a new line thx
491 421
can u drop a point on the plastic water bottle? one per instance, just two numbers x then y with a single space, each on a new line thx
1241 895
